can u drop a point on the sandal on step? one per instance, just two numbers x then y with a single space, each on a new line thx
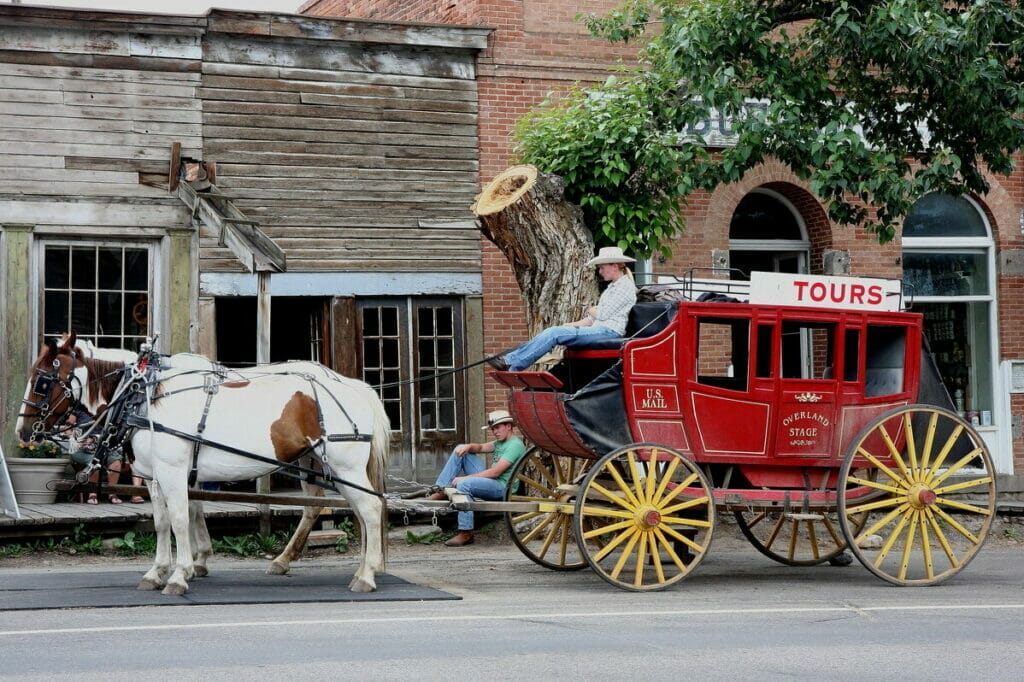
137 499
92 500
114 499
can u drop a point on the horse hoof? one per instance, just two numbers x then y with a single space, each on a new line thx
175 590
358 585
201 571
148 585
277 568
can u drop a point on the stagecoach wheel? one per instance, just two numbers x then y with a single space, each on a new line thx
644 517
798 537
545 536
932 503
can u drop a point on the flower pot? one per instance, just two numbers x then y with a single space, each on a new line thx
30 477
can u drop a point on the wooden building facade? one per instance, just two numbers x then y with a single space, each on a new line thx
353 146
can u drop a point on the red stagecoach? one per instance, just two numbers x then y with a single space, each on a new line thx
807 406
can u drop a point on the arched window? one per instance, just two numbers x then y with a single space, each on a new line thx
767 234
948 269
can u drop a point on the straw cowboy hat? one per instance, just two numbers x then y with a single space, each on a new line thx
610 254
498 417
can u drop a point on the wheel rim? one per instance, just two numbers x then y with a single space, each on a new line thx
804 535
546 537
644 517
932 503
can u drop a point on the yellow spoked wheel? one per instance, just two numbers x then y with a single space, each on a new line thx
804 534
644 517
932 503
545 535
805 538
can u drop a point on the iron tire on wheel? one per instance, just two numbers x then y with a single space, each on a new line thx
545 537
644 517
931 508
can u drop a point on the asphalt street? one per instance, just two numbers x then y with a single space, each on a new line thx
738 615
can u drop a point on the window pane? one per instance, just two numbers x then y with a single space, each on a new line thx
760 216
426 321
83 268
446 415
109 314
136 315
57 267
83 312
945 274
445 354
389 352
371 353
445 321
110 268
960 338
389 321
426 354
56 312
371 321
428 415
940 215
136 269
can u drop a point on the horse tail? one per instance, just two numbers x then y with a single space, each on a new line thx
377 465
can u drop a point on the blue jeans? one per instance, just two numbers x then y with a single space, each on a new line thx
476 487
528 353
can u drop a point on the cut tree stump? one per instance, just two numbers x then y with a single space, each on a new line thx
525 213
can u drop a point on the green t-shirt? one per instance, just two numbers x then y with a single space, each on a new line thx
509 450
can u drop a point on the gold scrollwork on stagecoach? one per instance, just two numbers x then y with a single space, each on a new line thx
808 397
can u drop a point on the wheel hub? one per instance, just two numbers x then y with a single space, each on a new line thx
921 496
647 517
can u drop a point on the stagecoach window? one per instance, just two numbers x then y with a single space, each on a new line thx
764 351
808 349
851 355
102 291
886 354
723 352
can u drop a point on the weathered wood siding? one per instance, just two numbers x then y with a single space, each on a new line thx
344 147
89 106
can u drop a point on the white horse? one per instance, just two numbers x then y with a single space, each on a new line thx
278 413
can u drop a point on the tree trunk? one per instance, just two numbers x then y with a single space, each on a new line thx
542 235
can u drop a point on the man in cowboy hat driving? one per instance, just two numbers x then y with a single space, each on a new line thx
471 476
606 320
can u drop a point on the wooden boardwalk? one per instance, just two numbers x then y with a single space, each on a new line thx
43 520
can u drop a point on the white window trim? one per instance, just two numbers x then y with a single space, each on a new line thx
157 267
996 437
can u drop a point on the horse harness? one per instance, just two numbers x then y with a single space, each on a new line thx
128 412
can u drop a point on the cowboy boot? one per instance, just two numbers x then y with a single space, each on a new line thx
463 537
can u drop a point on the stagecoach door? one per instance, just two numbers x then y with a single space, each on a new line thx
409 348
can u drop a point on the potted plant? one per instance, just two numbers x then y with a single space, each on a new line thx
32 470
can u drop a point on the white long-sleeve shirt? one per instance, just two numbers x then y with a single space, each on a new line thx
615 303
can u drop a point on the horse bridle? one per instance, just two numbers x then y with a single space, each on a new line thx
43 387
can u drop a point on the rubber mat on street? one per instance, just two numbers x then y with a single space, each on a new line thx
113 589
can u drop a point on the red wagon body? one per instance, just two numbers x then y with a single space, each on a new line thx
774 404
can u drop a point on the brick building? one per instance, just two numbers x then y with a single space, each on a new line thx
964 259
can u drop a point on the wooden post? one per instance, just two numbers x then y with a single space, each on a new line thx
262 358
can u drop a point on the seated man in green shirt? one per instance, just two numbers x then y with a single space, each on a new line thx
468 472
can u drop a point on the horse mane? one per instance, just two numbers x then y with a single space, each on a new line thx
104 375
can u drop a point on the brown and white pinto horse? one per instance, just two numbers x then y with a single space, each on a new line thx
274 412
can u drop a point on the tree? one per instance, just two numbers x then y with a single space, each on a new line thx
872 103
